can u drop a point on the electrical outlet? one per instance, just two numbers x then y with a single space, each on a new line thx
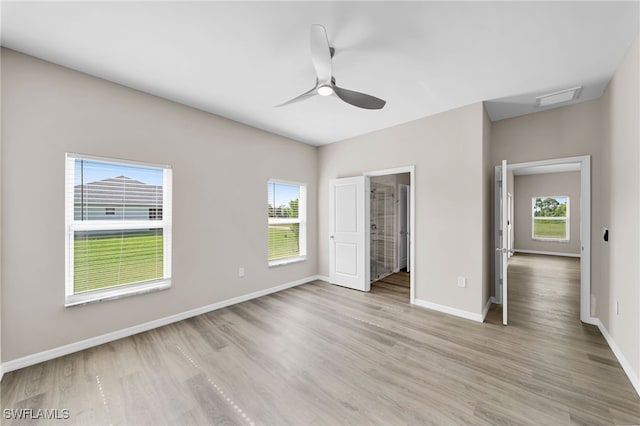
241 272
462 282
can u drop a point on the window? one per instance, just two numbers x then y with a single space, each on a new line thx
115 245
287 223
550 218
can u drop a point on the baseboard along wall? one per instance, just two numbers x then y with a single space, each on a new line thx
119 334
624 362
547 253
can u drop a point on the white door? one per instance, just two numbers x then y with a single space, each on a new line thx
502 236
348 239
510 223
403 237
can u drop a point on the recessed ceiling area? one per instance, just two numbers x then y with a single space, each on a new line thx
240 59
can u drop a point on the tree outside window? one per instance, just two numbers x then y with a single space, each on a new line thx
550 218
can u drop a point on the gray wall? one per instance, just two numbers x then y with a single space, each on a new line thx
529 186
619 209
450 184
606 129
487 209
49 110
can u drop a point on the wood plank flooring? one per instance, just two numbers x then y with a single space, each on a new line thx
320 354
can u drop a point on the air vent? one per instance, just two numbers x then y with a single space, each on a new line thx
558 97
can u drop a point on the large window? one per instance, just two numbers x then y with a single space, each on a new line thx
550 218
118 228
287 223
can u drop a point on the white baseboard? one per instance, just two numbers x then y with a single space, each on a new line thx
635 380
119 334
487 306
495 300
1 373
449 310
591 320
547 253
322 278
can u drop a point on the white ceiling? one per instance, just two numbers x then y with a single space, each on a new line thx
239 59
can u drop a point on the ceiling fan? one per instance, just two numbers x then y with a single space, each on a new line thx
321 54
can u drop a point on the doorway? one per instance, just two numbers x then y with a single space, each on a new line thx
350 233
582 237
390 231
389 224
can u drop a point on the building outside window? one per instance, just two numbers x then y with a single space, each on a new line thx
118 228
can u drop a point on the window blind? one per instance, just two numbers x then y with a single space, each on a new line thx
286 211
118 224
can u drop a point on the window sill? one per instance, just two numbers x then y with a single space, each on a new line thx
287 261
116 293
551 240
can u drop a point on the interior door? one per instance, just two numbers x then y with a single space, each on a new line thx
403 217
348 239
502 236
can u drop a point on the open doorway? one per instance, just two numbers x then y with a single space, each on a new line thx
350 230
549 219
389 228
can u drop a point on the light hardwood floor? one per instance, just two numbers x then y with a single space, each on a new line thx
326 355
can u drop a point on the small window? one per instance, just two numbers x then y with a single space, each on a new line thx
287 226
550 218
118 239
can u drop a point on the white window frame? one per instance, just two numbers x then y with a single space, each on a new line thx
72 225
566 218
301 220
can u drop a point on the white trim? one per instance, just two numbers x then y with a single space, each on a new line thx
97 296
626 366
323 278
393 171
495 300
592 321
1 373
49 354
449 310
486 308
287 261
547 253
118 160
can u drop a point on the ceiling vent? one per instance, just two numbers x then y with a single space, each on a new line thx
559 97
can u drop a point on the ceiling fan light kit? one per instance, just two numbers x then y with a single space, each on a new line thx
325 91
321 55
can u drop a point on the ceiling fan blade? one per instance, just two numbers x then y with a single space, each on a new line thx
299 98
321 53
358 99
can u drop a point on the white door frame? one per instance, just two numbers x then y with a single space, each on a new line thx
399 222
585 225
412 207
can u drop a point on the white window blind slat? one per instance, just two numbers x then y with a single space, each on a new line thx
118 219
286 212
